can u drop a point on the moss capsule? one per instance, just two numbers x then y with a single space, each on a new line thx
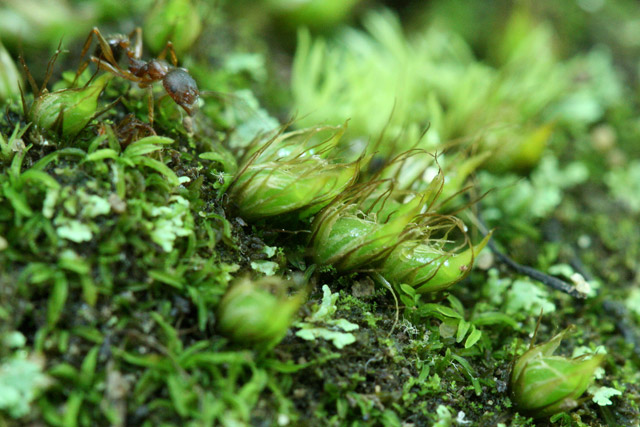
427 267
290 173
68 110
352 234
315 14
542 384
271 189
258 312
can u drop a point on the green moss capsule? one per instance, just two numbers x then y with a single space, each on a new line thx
257 312
427 267
177 21
290 173
68 110
271 189
350 235
542 384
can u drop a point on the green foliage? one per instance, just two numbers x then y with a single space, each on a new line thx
10 79
177 21
431 76
526 200
248 121
13 144
518 298
321 323
633 302
32 23
444 417
602 395
97 225
624 184
602 90
21 380
21 377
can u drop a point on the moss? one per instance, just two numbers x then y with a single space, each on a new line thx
118 240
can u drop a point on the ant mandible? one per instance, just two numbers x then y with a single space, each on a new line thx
179 85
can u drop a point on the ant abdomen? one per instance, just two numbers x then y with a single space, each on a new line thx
182 88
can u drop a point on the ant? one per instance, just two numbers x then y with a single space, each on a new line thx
177 82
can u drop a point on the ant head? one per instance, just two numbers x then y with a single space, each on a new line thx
118 43
182 88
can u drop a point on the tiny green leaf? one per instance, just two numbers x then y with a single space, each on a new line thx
602 395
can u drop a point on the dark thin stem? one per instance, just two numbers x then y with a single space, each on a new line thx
619 312
615 309
545 279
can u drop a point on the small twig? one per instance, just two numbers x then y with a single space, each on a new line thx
614 309
619 312
545 279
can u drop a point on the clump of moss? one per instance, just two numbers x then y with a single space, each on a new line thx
119 240
431 78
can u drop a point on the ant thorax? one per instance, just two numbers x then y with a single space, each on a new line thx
153 69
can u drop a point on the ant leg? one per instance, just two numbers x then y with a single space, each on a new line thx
104 47
137 45
172 54
150 105
83 66
116 70
85 49
87 43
